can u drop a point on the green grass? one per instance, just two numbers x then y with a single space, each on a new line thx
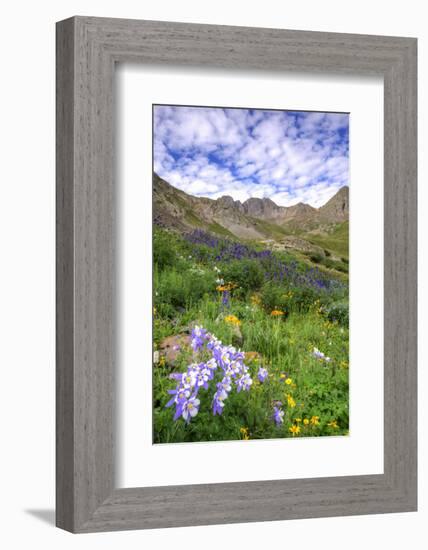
336 242
313 392
218 229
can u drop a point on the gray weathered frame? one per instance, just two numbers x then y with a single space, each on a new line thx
87 50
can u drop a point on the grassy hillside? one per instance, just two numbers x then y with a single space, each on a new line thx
336 241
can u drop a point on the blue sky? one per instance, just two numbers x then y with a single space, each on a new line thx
287 156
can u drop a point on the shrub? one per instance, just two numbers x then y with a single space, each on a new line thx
181 289
247 274
338 266
316 257
163 253
303 298
273 297
338 312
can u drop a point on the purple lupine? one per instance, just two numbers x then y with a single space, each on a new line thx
262 374
225 299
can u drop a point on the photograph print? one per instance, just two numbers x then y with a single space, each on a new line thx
250 274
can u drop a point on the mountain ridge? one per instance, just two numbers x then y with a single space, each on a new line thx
255 218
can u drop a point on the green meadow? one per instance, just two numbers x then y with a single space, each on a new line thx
287 313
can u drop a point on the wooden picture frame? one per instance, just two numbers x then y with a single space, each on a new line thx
87 50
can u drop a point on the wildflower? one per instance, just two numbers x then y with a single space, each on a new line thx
226 359
315 420
295 430
232 320
244 383
306 421
180 395
225 386
288 381
225 299
244 432
278 415
190 408
198 336
290 401
333 424
262 374
297 420
283 377
277 313
188 379
162 361
320 355
218 402
202 379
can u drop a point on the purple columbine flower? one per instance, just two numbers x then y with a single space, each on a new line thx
278 415
202 379
198 336
244 383
218 402
262 374
190 408
211 366
224 386
320 355
180 396
188 379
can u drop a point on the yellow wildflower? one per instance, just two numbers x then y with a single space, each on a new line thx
297 420
226 287
290 401
289 381
244 432
333 424
277 313
315 420
282 376
295 430
306 421
232 320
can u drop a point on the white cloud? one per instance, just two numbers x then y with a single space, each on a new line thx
287 156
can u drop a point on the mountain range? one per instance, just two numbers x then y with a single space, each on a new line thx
259 219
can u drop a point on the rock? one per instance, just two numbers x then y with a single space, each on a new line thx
171 346
237 337
252 357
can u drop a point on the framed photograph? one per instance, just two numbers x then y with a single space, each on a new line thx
236 274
